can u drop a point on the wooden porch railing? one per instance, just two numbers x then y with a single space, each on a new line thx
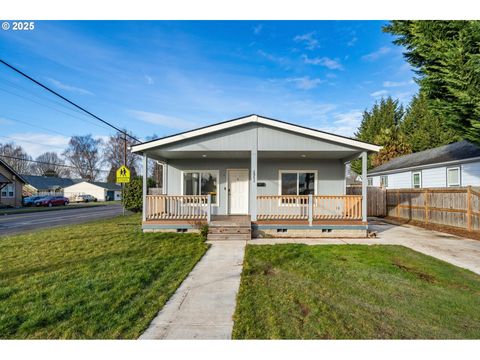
309 207
178 207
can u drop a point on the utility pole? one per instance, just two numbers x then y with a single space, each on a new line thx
125 164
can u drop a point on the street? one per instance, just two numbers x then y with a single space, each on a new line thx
18 223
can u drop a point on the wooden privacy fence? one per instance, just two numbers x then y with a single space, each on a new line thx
458 207
376 199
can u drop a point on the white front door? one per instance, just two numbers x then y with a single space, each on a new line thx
238 191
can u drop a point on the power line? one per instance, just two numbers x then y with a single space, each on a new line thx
44 162
34 126
51 107
67 100
31 142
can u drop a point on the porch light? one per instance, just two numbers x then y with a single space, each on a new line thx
204 155
303 155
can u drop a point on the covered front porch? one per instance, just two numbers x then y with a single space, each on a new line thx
288 179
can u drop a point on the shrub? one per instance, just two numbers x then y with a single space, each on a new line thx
132 195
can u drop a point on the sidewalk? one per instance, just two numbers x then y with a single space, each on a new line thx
203 306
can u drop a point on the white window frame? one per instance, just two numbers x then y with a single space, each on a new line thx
384 183
6 196
280 172
369 181
413 181
216 172
459 176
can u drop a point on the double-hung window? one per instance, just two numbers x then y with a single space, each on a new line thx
201 182
417 180
297 182
384 181
8 191
453 176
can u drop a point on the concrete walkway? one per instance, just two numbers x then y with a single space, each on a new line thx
456 250
203 305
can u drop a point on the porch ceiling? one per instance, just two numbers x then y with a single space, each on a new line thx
170 155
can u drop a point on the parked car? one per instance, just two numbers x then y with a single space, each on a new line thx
52 201
84 198
30 200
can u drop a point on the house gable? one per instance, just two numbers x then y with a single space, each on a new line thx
241 134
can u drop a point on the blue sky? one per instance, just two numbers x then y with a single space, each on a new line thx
163 77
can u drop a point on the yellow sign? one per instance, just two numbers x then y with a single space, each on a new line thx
123 175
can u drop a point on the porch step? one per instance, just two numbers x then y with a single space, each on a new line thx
229 237
229 230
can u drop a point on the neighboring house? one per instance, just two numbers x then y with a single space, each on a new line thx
452 165
288 179
101 190
46 185
11 184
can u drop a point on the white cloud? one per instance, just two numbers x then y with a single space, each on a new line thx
149 80
70 88
308 40
305 83
379 93
376 54
273 58
352 41
390 84
345 123
38 143
257 29
163 120
323 61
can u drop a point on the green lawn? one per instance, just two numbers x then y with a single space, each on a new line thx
102 279
354 292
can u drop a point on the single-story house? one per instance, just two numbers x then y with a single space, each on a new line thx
103 191
11 184
47 185
286 179
452 165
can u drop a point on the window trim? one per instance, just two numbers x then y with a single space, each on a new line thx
369 181
382 183
459 176
280 172
413 181
216 172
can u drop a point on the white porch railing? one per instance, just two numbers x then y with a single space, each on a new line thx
309 207
178 207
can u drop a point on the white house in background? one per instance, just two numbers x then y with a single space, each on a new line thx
452 165
101 190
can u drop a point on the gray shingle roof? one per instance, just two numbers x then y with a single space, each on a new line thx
453 152
49 182
105 185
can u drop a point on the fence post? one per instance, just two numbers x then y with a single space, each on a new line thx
310 209
398 204
209 208
426 200
469 208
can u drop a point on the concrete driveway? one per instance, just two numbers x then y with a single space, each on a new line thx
456 250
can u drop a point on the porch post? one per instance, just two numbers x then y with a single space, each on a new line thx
144 188
310 209
209 208
253 185
364 186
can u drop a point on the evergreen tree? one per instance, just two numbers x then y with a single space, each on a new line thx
422 129
386 114
394 144
446 57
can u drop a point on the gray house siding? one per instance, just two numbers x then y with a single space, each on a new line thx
246 138
330 175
